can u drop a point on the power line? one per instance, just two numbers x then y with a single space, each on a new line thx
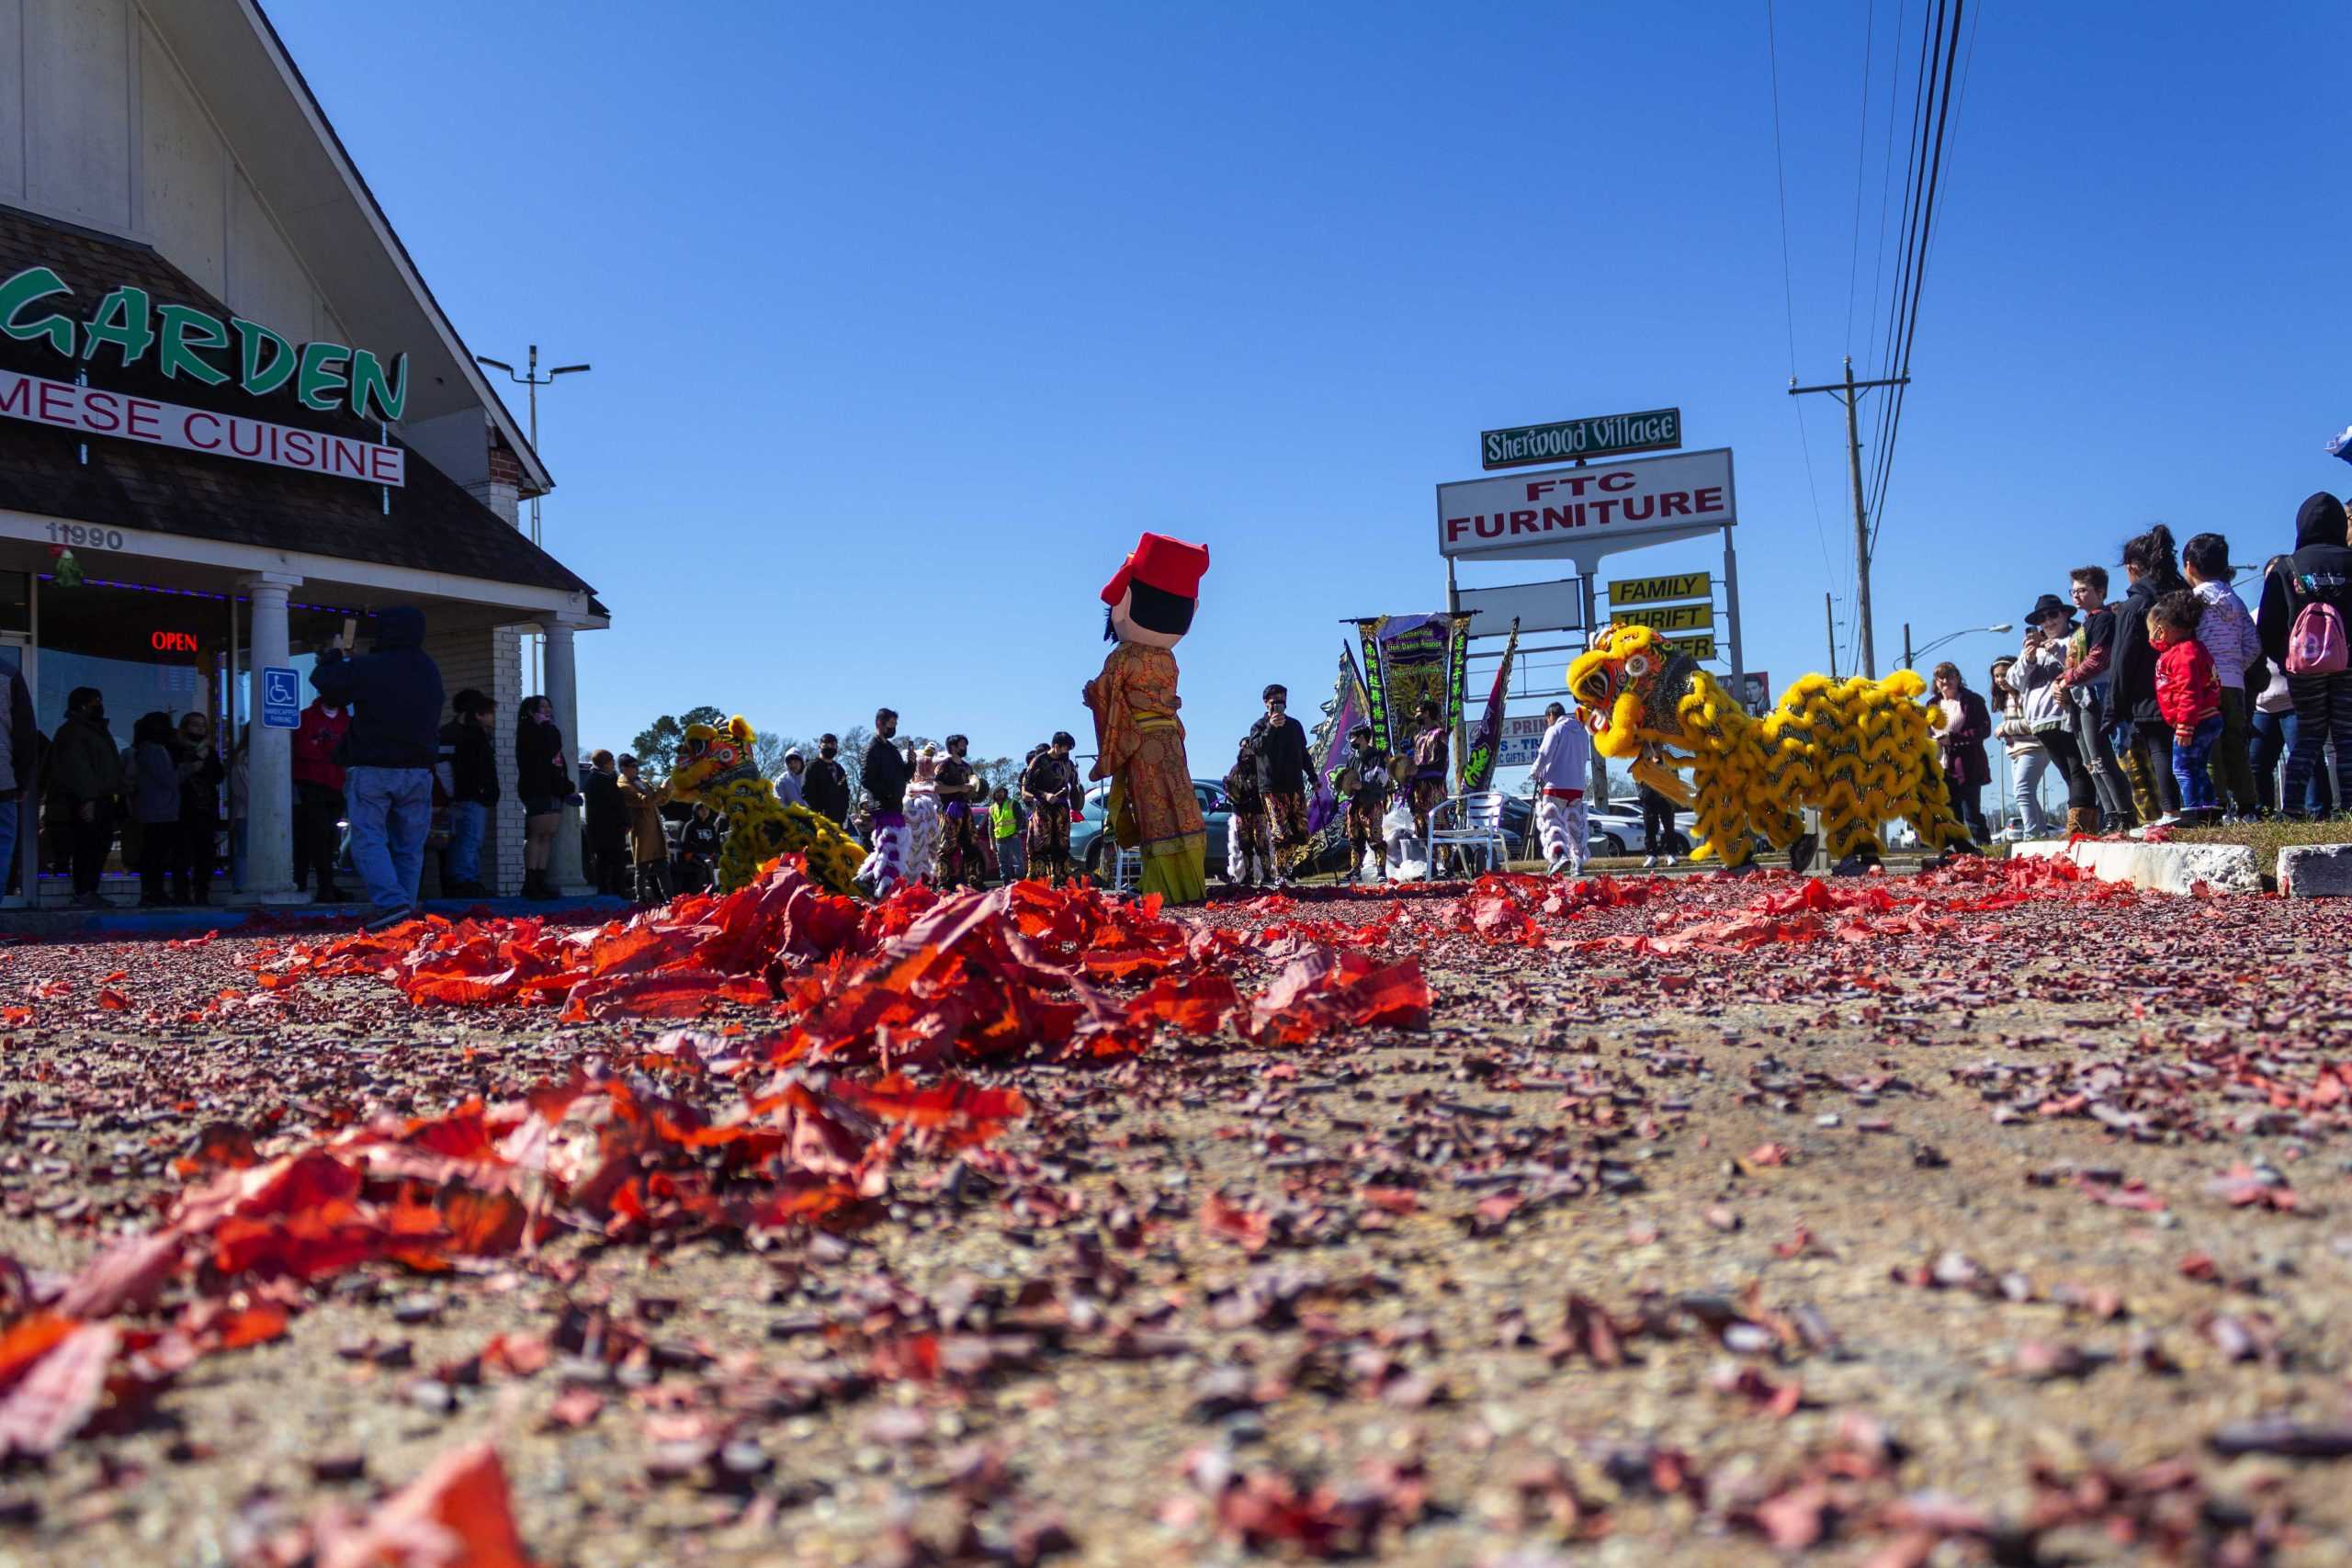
1919 270
1887 172
1923 87
1780 172
1788 284
1862 158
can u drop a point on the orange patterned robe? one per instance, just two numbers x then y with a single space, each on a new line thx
1139 743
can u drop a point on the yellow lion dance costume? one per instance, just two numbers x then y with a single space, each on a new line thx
714 769
1863 751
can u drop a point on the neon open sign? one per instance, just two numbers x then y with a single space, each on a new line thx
172 642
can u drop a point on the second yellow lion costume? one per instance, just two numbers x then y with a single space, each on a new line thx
714 769
1861 751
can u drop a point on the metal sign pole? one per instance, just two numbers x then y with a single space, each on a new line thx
1597 785
1730 608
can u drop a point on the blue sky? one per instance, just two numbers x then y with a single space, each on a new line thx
905 320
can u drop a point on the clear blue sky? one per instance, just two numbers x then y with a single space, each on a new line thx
906 320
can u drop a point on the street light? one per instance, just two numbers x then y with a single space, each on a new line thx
534 380
1949 637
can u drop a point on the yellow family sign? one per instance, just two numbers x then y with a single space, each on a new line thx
1661 590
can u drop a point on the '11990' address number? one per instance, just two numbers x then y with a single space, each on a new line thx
82 535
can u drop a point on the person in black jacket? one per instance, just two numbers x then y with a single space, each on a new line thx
883 776
825 787
1282 780
2143 740
468 776
543 784
610 865
394 695
2319 573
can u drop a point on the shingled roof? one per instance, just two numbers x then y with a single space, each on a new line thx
434 523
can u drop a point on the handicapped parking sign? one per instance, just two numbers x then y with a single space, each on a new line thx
281 697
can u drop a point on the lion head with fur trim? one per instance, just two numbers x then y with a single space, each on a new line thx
709 756
1628 690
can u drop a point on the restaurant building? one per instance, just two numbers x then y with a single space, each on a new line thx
235 423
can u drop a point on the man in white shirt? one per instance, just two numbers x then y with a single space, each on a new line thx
1561 765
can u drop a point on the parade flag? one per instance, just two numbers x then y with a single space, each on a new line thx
2341 447
1329 750
1478 762
1410 660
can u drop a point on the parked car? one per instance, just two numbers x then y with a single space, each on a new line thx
1092 847
1615 830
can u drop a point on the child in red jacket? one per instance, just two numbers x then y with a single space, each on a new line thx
2189 694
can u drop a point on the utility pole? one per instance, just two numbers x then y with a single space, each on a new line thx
1848 392
1829 613
1906 645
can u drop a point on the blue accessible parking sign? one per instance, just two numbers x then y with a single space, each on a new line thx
281 697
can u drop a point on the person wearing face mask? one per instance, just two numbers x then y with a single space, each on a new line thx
960 794
543 783
1282 780
85 781
198 842
884 774
318 797
791 783
825 784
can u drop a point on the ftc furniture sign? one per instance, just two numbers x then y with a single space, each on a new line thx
1583 513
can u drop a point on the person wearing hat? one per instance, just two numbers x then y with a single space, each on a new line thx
648 844
1139 742
468 773
1365 783
825 787
2037 677
962 862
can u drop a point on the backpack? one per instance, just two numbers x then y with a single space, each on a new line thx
2315 646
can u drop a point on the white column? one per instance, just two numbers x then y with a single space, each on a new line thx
269 798
564 869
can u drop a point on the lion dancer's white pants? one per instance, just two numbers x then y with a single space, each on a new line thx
1559 824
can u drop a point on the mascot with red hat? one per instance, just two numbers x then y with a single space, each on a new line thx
1138 740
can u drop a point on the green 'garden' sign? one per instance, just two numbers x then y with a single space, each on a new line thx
185 339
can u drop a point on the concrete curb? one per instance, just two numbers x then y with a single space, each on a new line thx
131 924
2316 871
2162 868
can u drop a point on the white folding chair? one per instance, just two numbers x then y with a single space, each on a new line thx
1126 869
1464 823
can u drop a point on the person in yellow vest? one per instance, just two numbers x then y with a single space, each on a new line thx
1004 826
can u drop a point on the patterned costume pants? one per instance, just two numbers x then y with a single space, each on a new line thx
961 861
1049 841
1364 813
1428 795
887 866
1560 825
1246 853
1286 816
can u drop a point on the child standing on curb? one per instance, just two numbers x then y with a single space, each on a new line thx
2188 694
2227 631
